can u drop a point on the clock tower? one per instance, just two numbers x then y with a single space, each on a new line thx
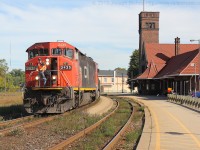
148 33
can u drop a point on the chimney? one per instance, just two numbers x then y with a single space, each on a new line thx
177 46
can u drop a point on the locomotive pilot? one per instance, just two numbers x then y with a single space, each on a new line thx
41 68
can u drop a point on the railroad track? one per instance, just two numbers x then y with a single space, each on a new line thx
38 121
13 121
109 145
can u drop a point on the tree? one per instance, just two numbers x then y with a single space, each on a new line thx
133 69
17 76
10 80
118 68
3 67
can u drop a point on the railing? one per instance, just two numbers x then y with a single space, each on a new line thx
188 101
48 74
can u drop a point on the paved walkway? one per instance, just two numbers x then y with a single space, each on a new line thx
169 126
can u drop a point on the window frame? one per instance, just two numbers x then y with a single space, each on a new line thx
56 54
67 49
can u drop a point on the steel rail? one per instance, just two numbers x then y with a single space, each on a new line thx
42 120
68 141
12 121
26 125
147 114
110 145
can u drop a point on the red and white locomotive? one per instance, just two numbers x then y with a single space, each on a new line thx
69 80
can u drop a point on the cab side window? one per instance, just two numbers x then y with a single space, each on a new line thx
33 53
69 53
56 51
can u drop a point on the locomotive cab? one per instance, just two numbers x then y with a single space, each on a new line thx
69 79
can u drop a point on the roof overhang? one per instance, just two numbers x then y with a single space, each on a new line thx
165 77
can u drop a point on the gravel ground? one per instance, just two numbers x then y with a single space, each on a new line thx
48 134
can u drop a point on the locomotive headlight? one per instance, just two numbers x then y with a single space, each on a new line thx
37 78
53 77
47 63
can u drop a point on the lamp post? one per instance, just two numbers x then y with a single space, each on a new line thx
195 81
199 59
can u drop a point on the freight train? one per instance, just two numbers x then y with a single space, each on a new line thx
58 78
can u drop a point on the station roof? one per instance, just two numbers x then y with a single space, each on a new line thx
162 60
180 65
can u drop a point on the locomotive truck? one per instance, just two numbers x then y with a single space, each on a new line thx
71 78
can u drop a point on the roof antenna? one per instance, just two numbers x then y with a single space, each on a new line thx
10 55
143 5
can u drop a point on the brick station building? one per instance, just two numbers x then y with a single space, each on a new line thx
164 66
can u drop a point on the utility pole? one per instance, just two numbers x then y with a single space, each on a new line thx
10 55
5 80
198 61
122 83
131 81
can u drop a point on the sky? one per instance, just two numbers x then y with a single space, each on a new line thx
106 30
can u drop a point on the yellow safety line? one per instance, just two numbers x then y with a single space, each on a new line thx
35 88
185 128
157 129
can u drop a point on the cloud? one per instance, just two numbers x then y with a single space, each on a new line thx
108 33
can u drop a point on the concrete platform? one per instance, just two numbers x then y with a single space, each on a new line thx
169 126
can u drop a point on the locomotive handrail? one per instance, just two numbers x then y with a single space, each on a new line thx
67 80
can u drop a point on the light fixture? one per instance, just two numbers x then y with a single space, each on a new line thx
47 63
37 78
53 77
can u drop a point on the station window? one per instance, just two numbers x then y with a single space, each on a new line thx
69 53
153 86
105 80
56 51
112 79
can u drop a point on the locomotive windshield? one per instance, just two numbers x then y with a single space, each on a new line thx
38 52
69 53
56 51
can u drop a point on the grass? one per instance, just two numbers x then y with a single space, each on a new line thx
98 138
73 123
11 105
10 98
15 132
134 133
